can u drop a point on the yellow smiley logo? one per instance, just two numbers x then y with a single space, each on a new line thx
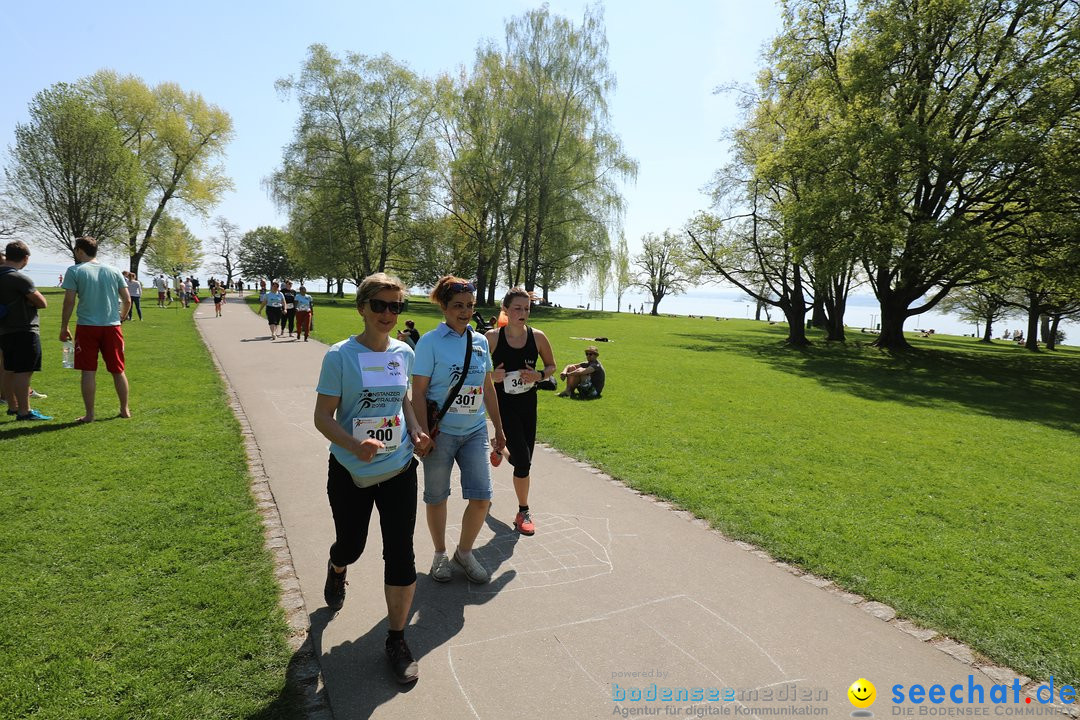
862 693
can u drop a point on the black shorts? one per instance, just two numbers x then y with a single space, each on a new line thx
273 315
22 351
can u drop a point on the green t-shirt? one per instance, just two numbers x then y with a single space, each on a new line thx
98 287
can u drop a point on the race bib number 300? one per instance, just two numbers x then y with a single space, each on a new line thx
469 401
388 430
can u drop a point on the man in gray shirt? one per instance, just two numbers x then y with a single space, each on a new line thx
20 332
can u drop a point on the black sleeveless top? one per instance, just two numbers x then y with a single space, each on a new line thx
515 358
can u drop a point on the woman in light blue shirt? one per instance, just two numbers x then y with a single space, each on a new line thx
363 409
274 302
462 435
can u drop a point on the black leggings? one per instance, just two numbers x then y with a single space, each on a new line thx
288 317
135 306
351 506
519 424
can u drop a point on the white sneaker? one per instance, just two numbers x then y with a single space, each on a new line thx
39 396
440 568
472 567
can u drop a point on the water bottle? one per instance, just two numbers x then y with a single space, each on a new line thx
69 355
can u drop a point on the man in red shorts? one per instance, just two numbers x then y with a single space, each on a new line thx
103 299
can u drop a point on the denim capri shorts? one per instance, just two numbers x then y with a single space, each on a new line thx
471 453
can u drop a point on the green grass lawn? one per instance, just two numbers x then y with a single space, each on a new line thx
135 582
941 481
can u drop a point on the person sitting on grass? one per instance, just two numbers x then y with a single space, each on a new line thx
586 379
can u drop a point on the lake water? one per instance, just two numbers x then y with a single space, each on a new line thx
862 310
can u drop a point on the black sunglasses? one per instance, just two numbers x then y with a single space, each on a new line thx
462 287
379 306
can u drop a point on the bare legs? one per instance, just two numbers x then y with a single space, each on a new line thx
89 390
398 601
521 487
471 522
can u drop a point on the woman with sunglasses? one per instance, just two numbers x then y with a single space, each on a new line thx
363 409
462 436
515 350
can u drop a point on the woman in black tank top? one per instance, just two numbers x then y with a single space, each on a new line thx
516 352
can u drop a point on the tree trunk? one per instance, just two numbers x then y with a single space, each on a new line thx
494 279
481 279
834 327
795 312
1051 342
819 318
988 334
1044 329
656 304
340 288
833 307
1031 340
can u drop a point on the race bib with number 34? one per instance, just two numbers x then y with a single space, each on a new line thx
514 384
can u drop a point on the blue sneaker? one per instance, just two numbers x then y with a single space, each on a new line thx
33 415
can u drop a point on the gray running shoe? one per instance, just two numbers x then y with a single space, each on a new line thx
440 568
472 567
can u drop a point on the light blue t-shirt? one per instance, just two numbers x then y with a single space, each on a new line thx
275 299
98 287
303 302
440 355
372 387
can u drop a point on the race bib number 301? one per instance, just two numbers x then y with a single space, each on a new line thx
387 430
469 401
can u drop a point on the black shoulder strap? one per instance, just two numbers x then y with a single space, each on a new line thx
464 373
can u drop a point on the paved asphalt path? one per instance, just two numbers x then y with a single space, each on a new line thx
615 593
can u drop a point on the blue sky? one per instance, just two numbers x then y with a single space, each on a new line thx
667 57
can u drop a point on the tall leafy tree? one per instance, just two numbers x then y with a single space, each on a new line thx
224 249
531 160
944 107
569 154
264 253
179 140
70 174
601 276
984 304
364 152
480 174
175 250
663 267
620 270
